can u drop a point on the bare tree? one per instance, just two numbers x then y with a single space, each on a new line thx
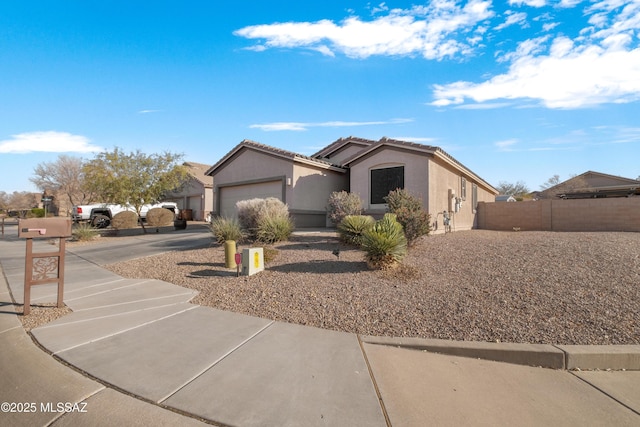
551 182
22 201
64 180
509 189
4 201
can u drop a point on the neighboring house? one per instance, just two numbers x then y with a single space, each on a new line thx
196 196
368 168
593 185
505 198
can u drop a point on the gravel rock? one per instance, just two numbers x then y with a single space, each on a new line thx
41 314
522 287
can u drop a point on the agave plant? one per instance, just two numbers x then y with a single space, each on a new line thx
385 244
352 227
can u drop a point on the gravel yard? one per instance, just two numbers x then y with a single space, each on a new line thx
524 287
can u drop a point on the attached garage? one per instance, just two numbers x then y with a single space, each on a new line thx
230 194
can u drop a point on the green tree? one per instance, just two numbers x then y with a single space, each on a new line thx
135 178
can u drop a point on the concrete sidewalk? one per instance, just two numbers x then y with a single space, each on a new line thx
138 353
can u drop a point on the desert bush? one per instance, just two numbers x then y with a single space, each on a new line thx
409 212
37 213
84 232
342 204
274 228
158 217
351 228
269 253
268 217
224 229
124 219
384 244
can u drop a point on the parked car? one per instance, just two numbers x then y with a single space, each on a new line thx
99 215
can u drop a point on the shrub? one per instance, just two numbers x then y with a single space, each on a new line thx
409 212
352 227
342 204
269 253
224 229
37 213
274 228
84 232
124 219
157 217
264 219
385 244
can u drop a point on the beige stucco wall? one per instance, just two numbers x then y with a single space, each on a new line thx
444 177
312 186
415 179
345 152
248 165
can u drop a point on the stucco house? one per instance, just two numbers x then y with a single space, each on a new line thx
365 167
196 195
252 170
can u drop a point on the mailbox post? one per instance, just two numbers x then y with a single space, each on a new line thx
43 267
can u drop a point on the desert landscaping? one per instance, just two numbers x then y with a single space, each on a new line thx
478 285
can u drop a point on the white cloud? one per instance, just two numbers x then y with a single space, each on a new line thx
519 18
430 31
506 145
302 126
601 66
483 106
531 3
49 141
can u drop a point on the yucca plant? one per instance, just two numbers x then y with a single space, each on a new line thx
84 232
224 229
385 244
351 228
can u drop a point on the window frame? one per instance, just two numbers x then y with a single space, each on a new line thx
380 200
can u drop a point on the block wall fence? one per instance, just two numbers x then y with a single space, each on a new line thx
606 214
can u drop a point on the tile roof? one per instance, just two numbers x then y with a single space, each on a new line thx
198 172
339 143
272 150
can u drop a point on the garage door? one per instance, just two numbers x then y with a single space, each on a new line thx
230 195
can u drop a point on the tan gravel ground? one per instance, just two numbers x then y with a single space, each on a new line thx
525 287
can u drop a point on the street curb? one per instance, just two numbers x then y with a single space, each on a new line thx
591 357
583 357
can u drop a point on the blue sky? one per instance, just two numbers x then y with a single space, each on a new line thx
515 90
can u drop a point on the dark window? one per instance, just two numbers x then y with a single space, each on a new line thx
385 180
463 189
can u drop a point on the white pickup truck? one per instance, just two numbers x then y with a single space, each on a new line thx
99 215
